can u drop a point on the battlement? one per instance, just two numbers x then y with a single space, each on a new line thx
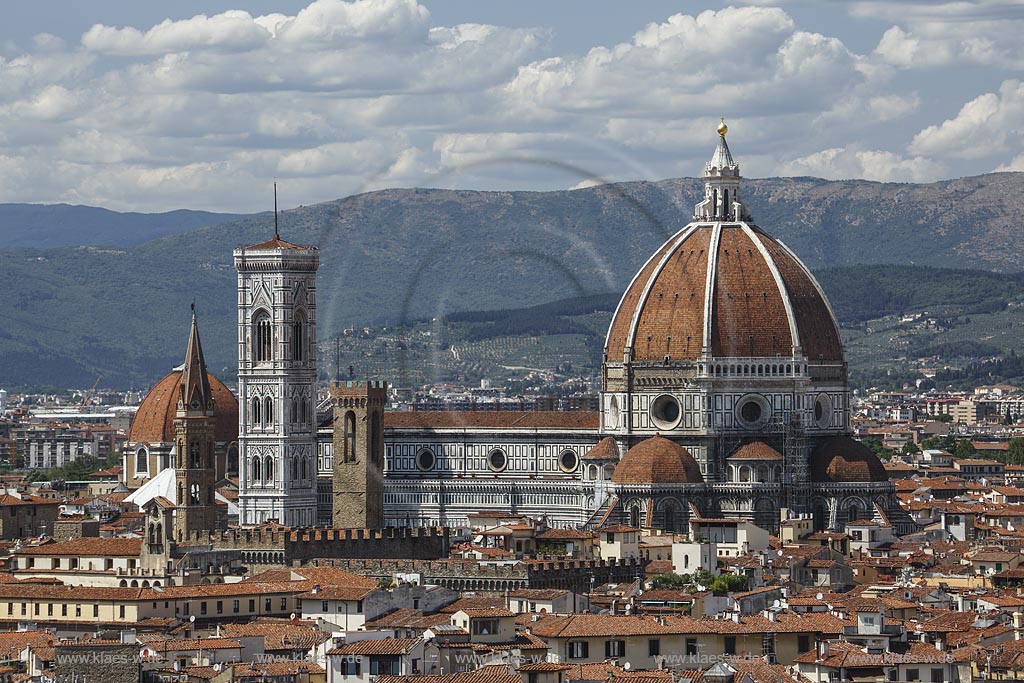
367 389
297 546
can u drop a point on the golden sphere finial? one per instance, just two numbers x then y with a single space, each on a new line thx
722 128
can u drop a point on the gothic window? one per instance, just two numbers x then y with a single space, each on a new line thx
634 516
295 469
194 498
268 470
299 337
232 461
268 410
263 339
350 437
257 470
256 411
193 456
305 468
142 461
670 518
295 411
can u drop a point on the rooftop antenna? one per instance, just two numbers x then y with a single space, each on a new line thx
276 235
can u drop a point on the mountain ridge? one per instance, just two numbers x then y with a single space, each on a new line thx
398 254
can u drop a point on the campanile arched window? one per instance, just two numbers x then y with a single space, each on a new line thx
299 339
268 410
262 338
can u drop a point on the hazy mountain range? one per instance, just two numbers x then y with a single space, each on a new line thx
121 309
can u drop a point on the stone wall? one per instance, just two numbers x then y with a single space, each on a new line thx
296 547
469 575
71 529
85 661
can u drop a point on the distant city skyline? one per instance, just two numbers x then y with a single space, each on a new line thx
203 104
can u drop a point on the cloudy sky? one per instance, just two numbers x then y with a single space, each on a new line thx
115 103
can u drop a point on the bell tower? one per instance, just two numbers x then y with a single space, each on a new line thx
276 381
194 424
359 454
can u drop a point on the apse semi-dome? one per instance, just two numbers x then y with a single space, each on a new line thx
657 460
154 421
842 460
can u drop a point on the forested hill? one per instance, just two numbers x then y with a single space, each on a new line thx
398 255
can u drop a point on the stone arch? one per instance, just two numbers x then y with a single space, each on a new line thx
819 513
766 513
123 583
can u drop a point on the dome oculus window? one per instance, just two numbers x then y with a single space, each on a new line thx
568 461
752 411
666 411
425 460
823 411
497 460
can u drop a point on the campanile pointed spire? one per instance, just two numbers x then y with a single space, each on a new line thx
195 393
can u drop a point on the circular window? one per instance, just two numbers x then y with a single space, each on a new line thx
425 460
752 411
665 411
823 411
497 460
568 461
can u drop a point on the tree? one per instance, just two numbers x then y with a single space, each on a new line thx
670 580
964 449
1015 452
910 447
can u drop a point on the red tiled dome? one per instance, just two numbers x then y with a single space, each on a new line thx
762 301
756 450
657 460
845 460
154 421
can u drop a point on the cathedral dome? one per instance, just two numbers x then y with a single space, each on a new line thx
657 460
729 288
844 460
722 286
154 421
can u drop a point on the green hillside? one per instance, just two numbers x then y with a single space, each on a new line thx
400 255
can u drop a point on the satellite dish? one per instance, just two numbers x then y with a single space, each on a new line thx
777 603
700 588
292 616
819 596
625 667
779 553
192 619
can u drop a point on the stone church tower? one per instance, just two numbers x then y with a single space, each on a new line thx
359 454
195 461
276 380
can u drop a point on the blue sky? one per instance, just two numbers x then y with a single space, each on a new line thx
120 104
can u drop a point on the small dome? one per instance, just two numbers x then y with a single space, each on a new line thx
606 449
844 460
757 450
154 421
657 460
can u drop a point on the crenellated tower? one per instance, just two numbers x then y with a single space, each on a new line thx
276 381
359 454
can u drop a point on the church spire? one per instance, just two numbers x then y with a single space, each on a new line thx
195 393
721 185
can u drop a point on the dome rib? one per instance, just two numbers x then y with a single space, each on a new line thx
794 331
676 240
